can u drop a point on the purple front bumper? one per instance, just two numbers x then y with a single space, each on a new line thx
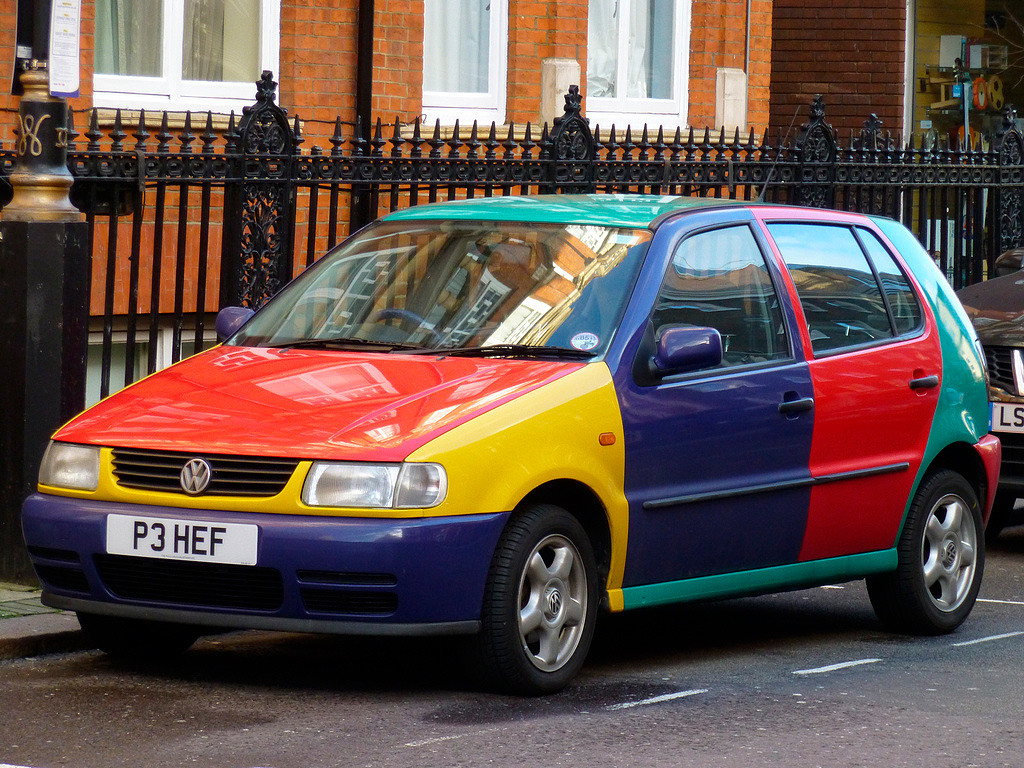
313 574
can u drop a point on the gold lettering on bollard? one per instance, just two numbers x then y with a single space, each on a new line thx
30 143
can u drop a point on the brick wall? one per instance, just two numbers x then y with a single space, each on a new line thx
718 39
540 30
852 54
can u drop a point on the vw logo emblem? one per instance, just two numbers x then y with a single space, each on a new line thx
195 476
554 598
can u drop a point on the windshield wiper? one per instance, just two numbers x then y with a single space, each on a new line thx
510 350
346 342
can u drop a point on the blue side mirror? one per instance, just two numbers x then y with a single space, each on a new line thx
686 348
230 319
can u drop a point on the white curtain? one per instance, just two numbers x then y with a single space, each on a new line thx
202 50
456 43
128 35
639 60
602 48
648 27
220 38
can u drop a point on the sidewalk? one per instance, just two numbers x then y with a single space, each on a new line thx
29 628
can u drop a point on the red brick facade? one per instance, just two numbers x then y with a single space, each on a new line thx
853 54
318 56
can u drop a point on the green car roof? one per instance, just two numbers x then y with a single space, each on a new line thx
599 209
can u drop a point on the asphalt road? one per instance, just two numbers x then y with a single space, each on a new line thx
807 678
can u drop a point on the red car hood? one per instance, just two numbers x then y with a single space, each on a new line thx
306 404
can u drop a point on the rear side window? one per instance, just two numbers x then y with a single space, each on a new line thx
903 303
839 290
719 279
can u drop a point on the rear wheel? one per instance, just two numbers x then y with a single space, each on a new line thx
540 602
941 560
137 639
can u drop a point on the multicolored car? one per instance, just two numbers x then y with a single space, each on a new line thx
503 416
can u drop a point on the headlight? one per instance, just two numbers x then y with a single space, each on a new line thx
66 465
375 486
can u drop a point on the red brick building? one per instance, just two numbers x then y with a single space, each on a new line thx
688 62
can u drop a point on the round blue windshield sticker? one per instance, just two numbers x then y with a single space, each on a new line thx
585 341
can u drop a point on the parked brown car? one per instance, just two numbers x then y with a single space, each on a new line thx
996 307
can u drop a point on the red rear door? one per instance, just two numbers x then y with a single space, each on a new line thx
876 372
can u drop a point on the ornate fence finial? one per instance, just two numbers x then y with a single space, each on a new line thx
264 125
572 146
871 133
816 151
266 86
573 103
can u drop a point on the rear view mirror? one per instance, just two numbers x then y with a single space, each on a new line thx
686 348
230 319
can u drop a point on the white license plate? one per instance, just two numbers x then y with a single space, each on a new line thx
195 540
1008 417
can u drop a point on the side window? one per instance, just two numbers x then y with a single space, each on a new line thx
903 302
842 302
719 279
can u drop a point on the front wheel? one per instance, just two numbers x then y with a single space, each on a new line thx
540 602
941 559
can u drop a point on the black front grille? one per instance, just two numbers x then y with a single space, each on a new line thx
213 585
231 475
1000 368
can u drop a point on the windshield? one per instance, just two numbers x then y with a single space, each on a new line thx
444 285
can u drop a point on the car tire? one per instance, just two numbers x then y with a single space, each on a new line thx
941 559
540 603
1002 510
137 639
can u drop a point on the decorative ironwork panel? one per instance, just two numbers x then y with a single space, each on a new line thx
1009 146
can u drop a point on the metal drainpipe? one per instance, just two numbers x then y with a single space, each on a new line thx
746 50
359 210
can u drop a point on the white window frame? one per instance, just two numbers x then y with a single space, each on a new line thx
171 92
622 111
485 108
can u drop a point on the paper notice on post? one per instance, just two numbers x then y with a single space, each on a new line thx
65 48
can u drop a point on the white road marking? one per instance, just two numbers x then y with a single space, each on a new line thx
988 639
1000 602
656 699
834 667
440 739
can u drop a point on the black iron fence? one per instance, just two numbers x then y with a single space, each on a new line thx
185 220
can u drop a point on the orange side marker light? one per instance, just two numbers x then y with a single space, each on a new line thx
606 438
